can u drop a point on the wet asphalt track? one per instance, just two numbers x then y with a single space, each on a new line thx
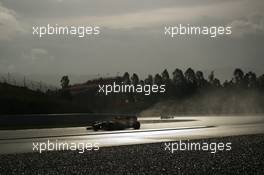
152 130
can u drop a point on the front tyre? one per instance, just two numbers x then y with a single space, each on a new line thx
136 125
95 128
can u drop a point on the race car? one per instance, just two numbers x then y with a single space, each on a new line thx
117 123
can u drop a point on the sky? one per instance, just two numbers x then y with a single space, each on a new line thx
132 37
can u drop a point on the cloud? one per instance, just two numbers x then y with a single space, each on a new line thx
252 24
9 24
143 41
157 16
37 54
139 19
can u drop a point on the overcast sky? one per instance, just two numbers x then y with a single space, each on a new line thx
131 37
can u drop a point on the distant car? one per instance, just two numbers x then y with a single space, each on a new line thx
117 123
166 116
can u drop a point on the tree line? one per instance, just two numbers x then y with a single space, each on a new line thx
186 82
179 85
190 81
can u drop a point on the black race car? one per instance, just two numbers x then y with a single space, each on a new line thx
117 123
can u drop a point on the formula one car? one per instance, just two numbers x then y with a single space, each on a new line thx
117 123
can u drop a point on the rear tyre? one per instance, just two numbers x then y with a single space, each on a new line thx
95 128
136 125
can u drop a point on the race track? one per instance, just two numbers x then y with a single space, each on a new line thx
152 130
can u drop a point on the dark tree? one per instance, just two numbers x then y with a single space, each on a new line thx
190 76
191 84
250 80
178 77
165 76
126 78
238 78
141 82
261 81
168 83
179 82
217 83
149 80
211 77
201 82
65 81
158 79
134 79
